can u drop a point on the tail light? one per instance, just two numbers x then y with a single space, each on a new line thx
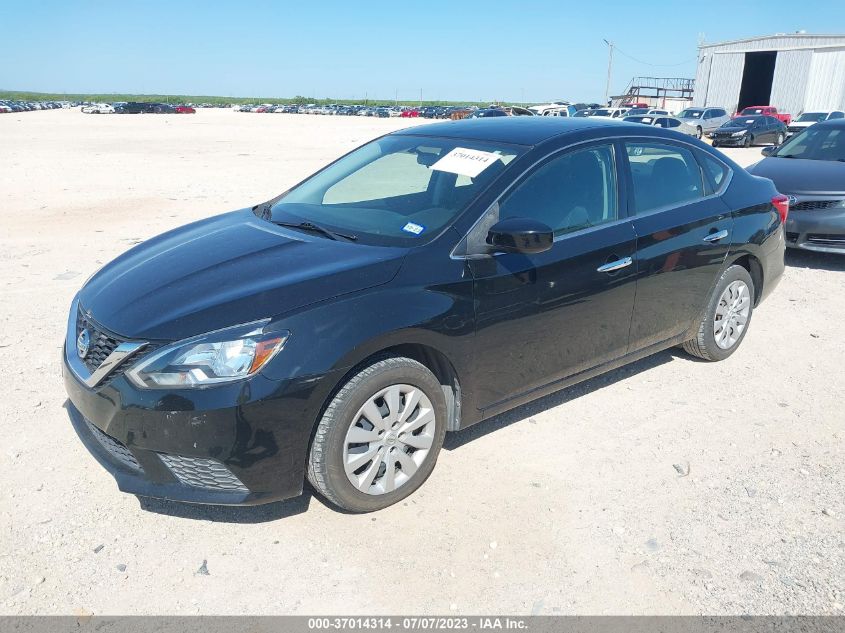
781 203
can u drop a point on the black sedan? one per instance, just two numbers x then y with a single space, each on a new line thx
487 113
745 131
427 281
810 169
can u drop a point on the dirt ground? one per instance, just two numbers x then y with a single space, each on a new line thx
667 487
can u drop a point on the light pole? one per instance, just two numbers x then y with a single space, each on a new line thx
609 69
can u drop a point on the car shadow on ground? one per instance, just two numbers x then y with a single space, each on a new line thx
459 438
815 261
283 509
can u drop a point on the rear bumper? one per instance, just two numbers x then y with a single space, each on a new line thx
822 231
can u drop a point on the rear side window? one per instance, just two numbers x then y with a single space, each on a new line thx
568 193
836 115
663 176
715 172
718 112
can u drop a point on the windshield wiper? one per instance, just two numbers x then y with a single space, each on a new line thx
316 228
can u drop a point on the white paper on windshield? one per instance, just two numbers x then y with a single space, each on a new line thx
465 162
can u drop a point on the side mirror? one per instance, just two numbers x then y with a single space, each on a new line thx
520 235
769 150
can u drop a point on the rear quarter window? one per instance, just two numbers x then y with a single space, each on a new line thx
715 172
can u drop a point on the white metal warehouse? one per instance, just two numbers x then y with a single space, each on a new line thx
794 72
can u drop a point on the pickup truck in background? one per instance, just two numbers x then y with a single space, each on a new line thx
765 111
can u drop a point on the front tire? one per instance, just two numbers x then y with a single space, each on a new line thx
379 437
748 142
725 320
699 132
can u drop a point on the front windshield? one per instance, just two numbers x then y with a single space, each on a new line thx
689 113
648 120
636 111
745 122
602 112
397 190
752 111
811 117
583 113
815 143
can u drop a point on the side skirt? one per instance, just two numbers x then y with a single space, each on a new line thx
563 383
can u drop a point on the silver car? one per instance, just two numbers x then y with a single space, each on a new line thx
704 120
666 122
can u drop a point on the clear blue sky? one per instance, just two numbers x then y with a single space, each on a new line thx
460 50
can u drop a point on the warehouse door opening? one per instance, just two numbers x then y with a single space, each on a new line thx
757 79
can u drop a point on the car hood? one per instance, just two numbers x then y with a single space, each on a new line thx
799 176
223 271
730 129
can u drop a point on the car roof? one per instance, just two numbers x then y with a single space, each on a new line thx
831 122
519 130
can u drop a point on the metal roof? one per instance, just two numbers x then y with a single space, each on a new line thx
786 40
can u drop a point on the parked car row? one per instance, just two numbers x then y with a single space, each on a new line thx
135 107
428 112
7 107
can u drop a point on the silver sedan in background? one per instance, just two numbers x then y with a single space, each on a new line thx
704 120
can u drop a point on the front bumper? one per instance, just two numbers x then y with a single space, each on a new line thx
729 141
820 230
239 444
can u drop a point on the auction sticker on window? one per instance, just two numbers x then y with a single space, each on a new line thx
414 228
465 162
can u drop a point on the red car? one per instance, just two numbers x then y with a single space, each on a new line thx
183 109
765 111
409 114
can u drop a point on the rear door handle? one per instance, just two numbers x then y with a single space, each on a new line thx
715 237
609 267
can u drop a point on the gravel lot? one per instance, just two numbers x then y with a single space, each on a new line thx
667 487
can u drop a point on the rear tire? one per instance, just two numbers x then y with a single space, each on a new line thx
726 319
699 132
779 140
366 430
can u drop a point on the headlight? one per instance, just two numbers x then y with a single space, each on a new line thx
210 359
738 133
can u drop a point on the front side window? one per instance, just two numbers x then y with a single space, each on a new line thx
663 176
397 190
568 193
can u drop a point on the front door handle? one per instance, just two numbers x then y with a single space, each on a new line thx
609 267
715 237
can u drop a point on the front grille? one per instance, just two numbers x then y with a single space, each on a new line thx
198 472
826 239
791 237
814 205
115 448
102 342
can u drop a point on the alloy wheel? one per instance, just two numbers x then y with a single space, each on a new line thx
389 439
732 314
